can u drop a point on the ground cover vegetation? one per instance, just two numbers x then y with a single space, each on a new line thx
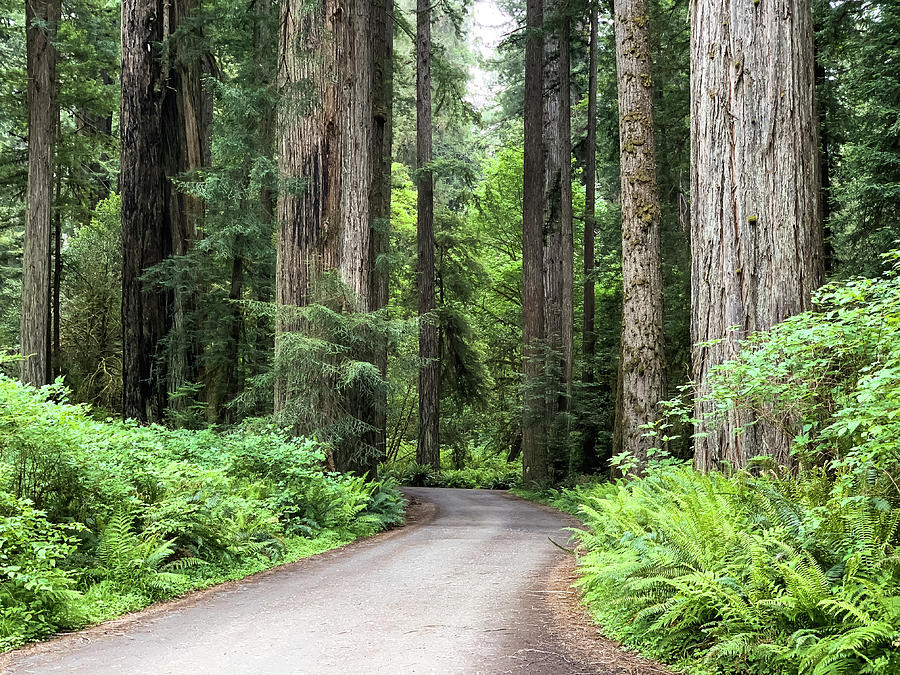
254 270
102 517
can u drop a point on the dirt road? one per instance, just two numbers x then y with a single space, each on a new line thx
474 586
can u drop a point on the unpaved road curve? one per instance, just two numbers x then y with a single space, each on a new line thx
473 587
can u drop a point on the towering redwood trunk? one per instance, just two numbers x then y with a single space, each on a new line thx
756 228
146 194
309 149
328 142
163 134
357 265
383 138
643 379
559 250
187 125
535 466
588 336
42 18
428 450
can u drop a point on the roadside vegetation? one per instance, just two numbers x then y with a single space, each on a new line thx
768 569
100 517
480 469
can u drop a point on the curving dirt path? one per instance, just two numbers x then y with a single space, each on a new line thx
471 585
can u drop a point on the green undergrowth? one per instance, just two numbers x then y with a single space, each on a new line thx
99 517
484 469
769 573
769 570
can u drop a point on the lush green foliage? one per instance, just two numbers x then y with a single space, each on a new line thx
130 514
830 377
769 571
480 469
763 574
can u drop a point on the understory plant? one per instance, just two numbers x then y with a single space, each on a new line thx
771 569
98 517
765 574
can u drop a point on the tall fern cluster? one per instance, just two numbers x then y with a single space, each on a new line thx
746 574
100 517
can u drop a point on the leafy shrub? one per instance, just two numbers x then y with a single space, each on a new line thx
831 376
36 596
154 511
759 574
484 470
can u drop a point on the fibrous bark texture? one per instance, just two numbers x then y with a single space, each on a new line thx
756 230
535 467
164 124
42 18
325 159
643 379
383 139
559 249
428 450
146 209
588 335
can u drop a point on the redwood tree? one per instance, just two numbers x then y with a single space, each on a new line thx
42 18
535 468
756 229
428 450
588 336
326 156
642 369
559 246
163 135
146 194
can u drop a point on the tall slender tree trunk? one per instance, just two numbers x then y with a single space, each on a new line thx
361 155
56 286
559 249
535 466
428 450
42 18
643 376
756 213
187 125
383 138
588 336
146 208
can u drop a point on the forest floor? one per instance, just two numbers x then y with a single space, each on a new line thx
470 585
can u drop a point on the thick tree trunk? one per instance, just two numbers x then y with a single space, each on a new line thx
42 18
588 336
164 123
535 466
559 249
643 379
326 140
309 149
428 450
146 208
756 227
